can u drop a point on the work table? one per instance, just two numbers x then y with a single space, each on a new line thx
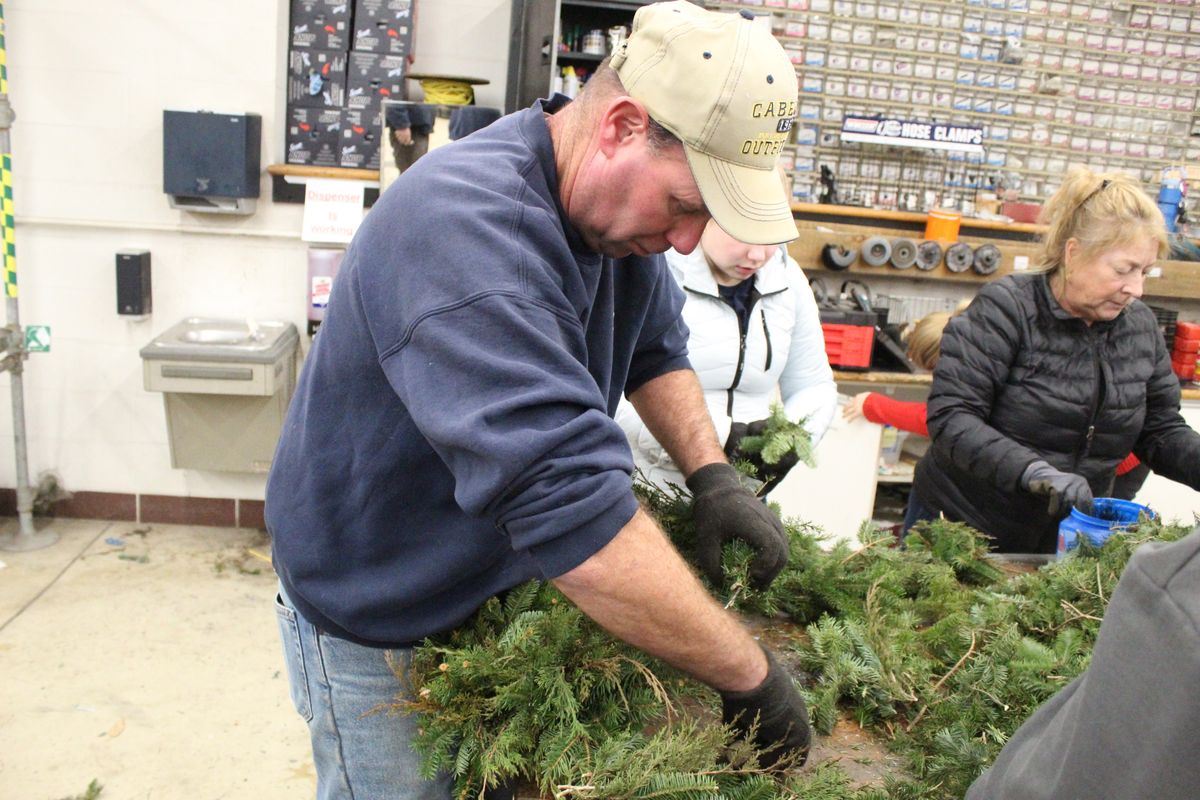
851 376
1190 390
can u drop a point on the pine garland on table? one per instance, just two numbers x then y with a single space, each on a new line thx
932 647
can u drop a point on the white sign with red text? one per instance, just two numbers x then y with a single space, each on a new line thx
333 210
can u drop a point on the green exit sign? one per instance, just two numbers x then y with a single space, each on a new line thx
37 338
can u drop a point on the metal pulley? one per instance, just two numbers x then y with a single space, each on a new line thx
929 255
837 258
960 257
876 251
904 253
987 259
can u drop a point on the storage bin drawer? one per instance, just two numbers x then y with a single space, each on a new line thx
848 346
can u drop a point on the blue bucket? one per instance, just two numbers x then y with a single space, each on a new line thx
1108 515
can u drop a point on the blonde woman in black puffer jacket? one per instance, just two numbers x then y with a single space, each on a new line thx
1051 378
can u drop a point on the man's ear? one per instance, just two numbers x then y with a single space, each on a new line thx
625 120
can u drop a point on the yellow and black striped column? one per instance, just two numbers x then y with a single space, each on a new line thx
6 214
6 220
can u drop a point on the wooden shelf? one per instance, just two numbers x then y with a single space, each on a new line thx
850 227
855 213
571 55
332 173
288 181
900 472
1190 391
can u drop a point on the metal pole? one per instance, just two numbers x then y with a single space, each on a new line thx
25 538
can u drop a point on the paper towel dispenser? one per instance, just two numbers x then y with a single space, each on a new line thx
211 161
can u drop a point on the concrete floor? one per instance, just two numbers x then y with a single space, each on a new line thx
145 657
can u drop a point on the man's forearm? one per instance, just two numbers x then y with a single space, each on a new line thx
672 407
639 589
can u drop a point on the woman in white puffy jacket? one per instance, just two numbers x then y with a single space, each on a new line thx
754 327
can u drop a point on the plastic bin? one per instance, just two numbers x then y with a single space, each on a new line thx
891 445
849 336
1185 370
1187 331
1184 347
1109 515
942 226
848 346
226 386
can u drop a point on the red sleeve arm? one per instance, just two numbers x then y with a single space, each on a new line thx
907 416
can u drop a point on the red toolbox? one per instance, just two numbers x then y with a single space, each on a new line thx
849 337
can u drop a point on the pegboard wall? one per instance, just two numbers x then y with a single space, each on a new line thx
1109 84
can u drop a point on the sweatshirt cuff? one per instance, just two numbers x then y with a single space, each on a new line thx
564 553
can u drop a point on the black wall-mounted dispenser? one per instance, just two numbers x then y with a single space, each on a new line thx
133 283
211 161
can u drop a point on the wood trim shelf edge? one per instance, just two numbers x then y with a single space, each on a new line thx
333 173
801 210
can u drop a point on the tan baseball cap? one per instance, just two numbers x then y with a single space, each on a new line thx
726 89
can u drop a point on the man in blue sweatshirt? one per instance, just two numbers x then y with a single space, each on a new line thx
452 435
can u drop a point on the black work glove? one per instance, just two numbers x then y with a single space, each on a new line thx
782 717
769 474
723 509
1065 489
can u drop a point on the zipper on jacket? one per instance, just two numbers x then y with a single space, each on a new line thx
766 335
737 373
743 330
1097 380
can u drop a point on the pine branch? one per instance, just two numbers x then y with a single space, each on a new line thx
782 436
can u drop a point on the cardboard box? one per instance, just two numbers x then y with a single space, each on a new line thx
372 78
316 78
359 143
313 135
383 26
321 24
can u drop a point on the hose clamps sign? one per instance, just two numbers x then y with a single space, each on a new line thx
909 133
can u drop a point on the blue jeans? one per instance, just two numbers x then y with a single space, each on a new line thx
361 750
916 512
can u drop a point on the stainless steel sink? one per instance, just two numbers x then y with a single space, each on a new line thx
205 338
226 384
213 336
